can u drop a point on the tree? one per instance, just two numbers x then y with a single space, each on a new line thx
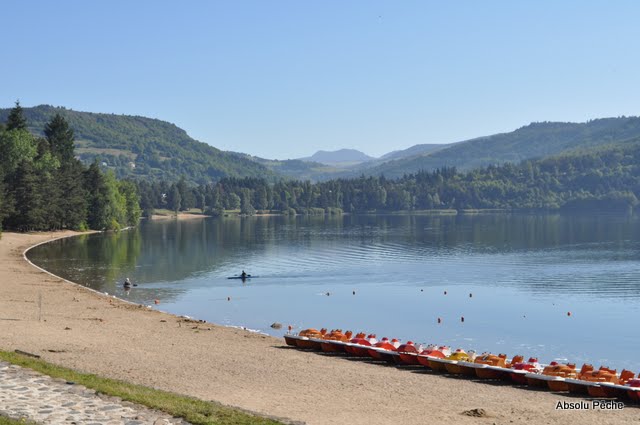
72 202
174 199
16 119
97 198
132 201
60 138
16 146
245 205
30 206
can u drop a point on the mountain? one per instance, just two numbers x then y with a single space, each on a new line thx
342 157
144 148
414 150
536 140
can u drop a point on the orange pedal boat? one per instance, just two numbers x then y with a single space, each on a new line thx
490 366
588 380
307 338
553 376
334 341
622 388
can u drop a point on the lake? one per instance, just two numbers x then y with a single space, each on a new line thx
515 278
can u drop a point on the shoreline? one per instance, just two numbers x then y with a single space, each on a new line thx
86 330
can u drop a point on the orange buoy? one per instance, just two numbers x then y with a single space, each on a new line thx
156 301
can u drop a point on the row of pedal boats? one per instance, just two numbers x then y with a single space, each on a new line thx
602 383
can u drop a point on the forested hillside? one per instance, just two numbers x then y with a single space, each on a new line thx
601 178
537 140
142 147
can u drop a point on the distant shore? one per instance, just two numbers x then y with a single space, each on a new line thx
71 326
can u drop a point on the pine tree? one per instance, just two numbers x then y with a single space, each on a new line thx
16 119
30 207
174 199
97 198
60 138
72 202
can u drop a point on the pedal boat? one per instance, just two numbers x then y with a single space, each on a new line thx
385 350
435 358
633 390
553 376
453 364
588 380
520 370
490 366
307 338
359 346
407 354
335 341
621 389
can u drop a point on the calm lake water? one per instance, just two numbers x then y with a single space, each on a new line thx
525 273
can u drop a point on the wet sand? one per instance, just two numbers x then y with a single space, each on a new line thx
74 327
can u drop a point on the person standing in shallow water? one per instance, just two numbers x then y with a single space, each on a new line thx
243 274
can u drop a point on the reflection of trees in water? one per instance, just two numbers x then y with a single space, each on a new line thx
172 251
100 261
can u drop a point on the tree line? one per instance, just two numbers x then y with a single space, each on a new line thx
43 186
606 178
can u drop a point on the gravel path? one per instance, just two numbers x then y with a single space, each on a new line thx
25 393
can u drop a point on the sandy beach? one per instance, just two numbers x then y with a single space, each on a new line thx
72 326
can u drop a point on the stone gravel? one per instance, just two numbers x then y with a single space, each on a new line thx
26 394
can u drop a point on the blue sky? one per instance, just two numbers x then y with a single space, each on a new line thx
282 79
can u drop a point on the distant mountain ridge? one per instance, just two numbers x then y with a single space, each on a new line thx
140 147
146 148
533 141
338 157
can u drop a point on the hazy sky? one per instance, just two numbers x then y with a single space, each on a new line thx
282 79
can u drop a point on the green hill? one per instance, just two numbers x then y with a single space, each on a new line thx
144 148
537 140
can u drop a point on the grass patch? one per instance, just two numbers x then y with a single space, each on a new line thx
8 421
191 409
